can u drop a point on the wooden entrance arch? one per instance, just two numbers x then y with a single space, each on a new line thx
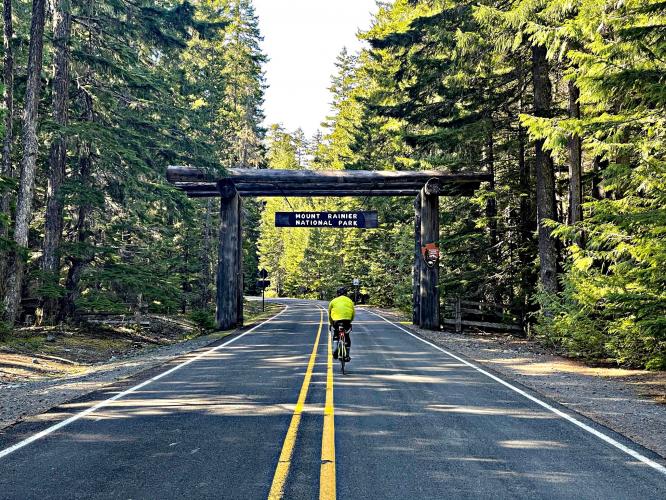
425 186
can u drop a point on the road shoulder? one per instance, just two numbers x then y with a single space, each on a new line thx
23 401
614 398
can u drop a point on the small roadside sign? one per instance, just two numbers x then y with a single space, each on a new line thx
356 282
263 283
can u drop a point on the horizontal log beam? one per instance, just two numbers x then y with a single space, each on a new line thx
330 178
305 194
318 184
278 190
205 191
277 186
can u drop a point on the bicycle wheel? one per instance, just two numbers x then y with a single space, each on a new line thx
342 354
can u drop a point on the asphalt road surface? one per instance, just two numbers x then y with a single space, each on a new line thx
268 414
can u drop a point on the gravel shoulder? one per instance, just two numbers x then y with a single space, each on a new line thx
61 381
630 402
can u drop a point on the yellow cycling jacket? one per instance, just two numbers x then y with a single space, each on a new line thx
341 308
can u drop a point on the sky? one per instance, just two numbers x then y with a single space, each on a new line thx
302 39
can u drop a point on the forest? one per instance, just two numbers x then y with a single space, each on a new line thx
561 101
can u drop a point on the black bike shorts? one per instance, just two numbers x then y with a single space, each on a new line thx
346 324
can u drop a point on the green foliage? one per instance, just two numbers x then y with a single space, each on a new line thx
5 327
49 286
430 94
447 85
613 302
443 85
151 85
203 318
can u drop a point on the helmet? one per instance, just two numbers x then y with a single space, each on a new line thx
341 291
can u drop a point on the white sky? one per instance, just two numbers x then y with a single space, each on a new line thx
302 39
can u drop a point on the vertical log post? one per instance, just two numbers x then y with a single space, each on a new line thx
429 300
239 264
416 274
228 257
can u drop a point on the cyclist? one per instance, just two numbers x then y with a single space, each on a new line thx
341 313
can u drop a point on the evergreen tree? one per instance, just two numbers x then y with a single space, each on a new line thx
149 85
561 101
53 224
612 305
29 162
7 168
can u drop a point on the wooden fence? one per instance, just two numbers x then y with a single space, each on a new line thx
110 318
466 314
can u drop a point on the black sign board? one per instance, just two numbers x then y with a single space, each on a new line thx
361 220
262 284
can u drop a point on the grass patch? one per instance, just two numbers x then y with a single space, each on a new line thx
254 314
32 343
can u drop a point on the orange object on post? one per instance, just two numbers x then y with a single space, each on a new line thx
430 254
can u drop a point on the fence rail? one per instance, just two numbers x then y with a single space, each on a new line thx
461 313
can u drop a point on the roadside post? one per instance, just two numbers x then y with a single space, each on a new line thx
357 286
263 283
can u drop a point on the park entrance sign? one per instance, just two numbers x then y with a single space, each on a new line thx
360 220
425 187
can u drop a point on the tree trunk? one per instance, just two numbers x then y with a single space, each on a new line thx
184 272
598 167
527 219
491 204
206 250
58 154
575 214
7 169
29 161
80 259
545 173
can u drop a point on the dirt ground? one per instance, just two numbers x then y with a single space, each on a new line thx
34 353
631 402
37 374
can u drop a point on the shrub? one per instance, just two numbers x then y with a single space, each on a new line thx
203 318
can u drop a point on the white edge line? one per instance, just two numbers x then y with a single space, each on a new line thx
124 393
576 422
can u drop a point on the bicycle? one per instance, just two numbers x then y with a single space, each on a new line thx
342 347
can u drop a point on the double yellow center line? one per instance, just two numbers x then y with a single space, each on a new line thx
327 472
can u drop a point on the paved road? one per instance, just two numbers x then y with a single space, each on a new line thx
247 420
